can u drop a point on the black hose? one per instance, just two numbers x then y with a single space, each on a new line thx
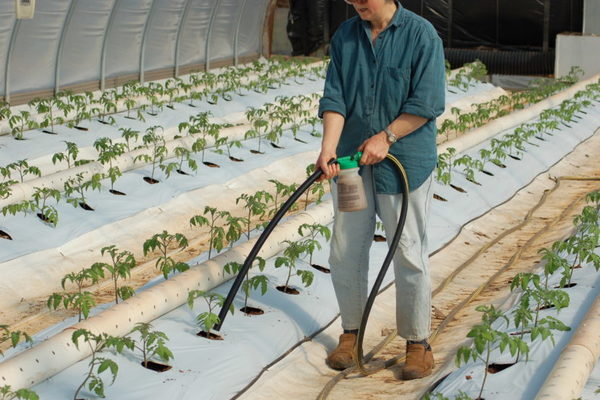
386 263
261 241
284 208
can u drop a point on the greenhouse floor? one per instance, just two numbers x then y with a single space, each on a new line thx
302 374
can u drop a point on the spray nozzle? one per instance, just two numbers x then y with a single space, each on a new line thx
349 161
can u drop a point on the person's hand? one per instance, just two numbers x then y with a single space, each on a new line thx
374 149
329 171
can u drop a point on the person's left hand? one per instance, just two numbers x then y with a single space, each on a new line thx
374 149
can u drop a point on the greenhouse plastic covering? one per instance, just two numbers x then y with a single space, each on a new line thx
492 22
87 42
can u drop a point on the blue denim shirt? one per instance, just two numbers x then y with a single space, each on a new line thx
371 85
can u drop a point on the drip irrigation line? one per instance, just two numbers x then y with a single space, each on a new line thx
449 317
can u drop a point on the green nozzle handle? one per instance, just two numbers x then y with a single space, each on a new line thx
349 161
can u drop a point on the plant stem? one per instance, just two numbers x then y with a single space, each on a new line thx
91 371
487 360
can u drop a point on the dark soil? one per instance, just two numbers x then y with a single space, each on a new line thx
104 122
546 307
43 218
493 368
514 157
252 310
277 146
151 181
85 206
487 172
287 290
321 268
300 140
458 188
438 197
81 128
182 172
49 132
154 366
232 158
211 336
4 235
257 152
211 165
117 193
520 333
569 285
379 238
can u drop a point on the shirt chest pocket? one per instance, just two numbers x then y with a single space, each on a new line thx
395 86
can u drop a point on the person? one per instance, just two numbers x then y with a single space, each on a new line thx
383 91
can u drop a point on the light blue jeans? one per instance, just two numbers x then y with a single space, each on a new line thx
349 258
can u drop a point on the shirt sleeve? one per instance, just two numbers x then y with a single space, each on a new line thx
333 95
427 92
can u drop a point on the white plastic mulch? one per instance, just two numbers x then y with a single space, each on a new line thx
204 369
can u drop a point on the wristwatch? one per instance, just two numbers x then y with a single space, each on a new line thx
390 136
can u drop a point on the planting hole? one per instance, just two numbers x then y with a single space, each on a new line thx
4 235
211 336
49 132
252 310
520 333
300 140
211 165
116 192
569 285
514 157
81 128
181 172
493 368
154 366
321 268
546 307
257 152
474 181
498 164
85 206
44 218
232 158
151 181
288 290
379 238
438 197
275 145
487 172
458 188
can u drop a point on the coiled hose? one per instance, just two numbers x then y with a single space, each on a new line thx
376 285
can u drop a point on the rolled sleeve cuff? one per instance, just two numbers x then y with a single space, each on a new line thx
330 105
420 109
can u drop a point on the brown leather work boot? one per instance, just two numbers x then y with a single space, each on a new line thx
419 362
343 356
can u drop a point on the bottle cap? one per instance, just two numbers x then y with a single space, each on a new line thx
349 161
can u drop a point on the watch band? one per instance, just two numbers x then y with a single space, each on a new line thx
390 136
